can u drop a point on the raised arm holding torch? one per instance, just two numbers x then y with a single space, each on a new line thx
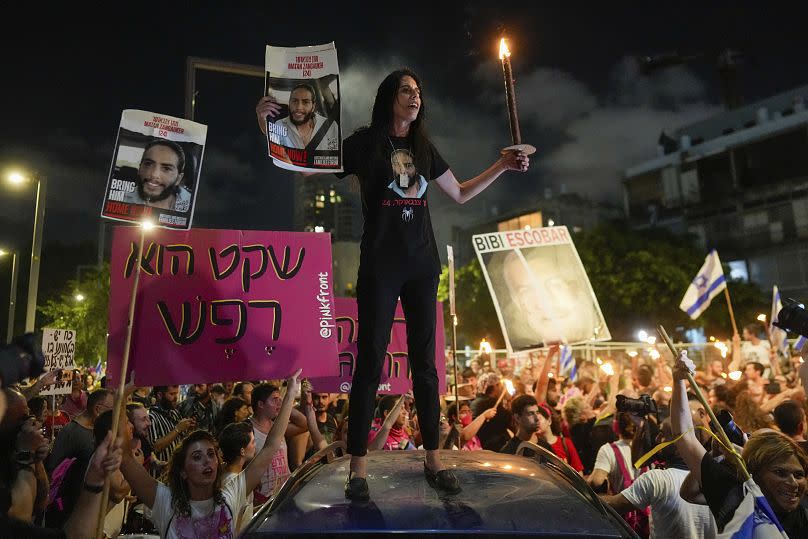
681 422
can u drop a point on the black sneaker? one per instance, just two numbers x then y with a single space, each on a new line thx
356 488
443 480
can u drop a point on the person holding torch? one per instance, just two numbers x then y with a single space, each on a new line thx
399 258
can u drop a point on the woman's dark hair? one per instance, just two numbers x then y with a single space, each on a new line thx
386 403
381 120
626 425
227 414
179 490
234 438
555 422
37 405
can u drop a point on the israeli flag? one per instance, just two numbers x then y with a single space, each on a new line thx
778 337
566 363
708 284
800 344
754 518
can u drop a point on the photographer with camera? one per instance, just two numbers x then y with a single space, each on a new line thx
775 462
614 458
671 516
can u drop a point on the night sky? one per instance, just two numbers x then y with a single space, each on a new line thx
69 72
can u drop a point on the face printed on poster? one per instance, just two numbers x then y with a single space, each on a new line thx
407 183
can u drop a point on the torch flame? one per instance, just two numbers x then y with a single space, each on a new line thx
509 387
504 51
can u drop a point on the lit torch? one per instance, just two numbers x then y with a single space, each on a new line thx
510 96
509 388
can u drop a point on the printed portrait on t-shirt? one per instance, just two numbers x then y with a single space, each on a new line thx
407 183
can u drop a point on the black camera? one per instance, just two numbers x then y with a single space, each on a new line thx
21 359
793 317
640 407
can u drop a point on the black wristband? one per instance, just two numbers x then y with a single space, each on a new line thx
93 488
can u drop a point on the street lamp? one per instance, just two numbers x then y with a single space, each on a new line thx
12 296
20 178
79 297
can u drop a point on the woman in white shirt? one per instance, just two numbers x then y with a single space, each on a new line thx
195 504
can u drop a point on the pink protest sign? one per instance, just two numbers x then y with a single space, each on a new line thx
222 305
396 377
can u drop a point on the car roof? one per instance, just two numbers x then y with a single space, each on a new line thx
502 494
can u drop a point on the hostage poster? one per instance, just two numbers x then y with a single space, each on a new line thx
540 288
305 134
155 170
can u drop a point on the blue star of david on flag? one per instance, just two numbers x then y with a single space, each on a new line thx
708 283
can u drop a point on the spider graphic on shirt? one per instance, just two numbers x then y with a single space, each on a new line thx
407 214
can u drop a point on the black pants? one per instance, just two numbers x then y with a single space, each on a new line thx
378 290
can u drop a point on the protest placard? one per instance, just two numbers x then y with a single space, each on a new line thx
540 289
222 305
155 170
396 374
59 349
305 135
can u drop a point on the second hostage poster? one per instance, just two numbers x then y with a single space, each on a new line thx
305 135
155 169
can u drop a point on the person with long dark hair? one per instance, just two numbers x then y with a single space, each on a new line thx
395 162
234 410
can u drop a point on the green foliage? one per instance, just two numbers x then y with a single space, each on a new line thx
477 317
88 317
639 278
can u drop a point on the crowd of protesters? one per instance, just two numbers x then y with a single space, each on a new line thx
204 456
685 489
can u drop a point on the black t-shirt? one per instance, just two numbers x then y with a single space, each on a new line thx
724 493
328 428
493 434
397 220
588 437
512 444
